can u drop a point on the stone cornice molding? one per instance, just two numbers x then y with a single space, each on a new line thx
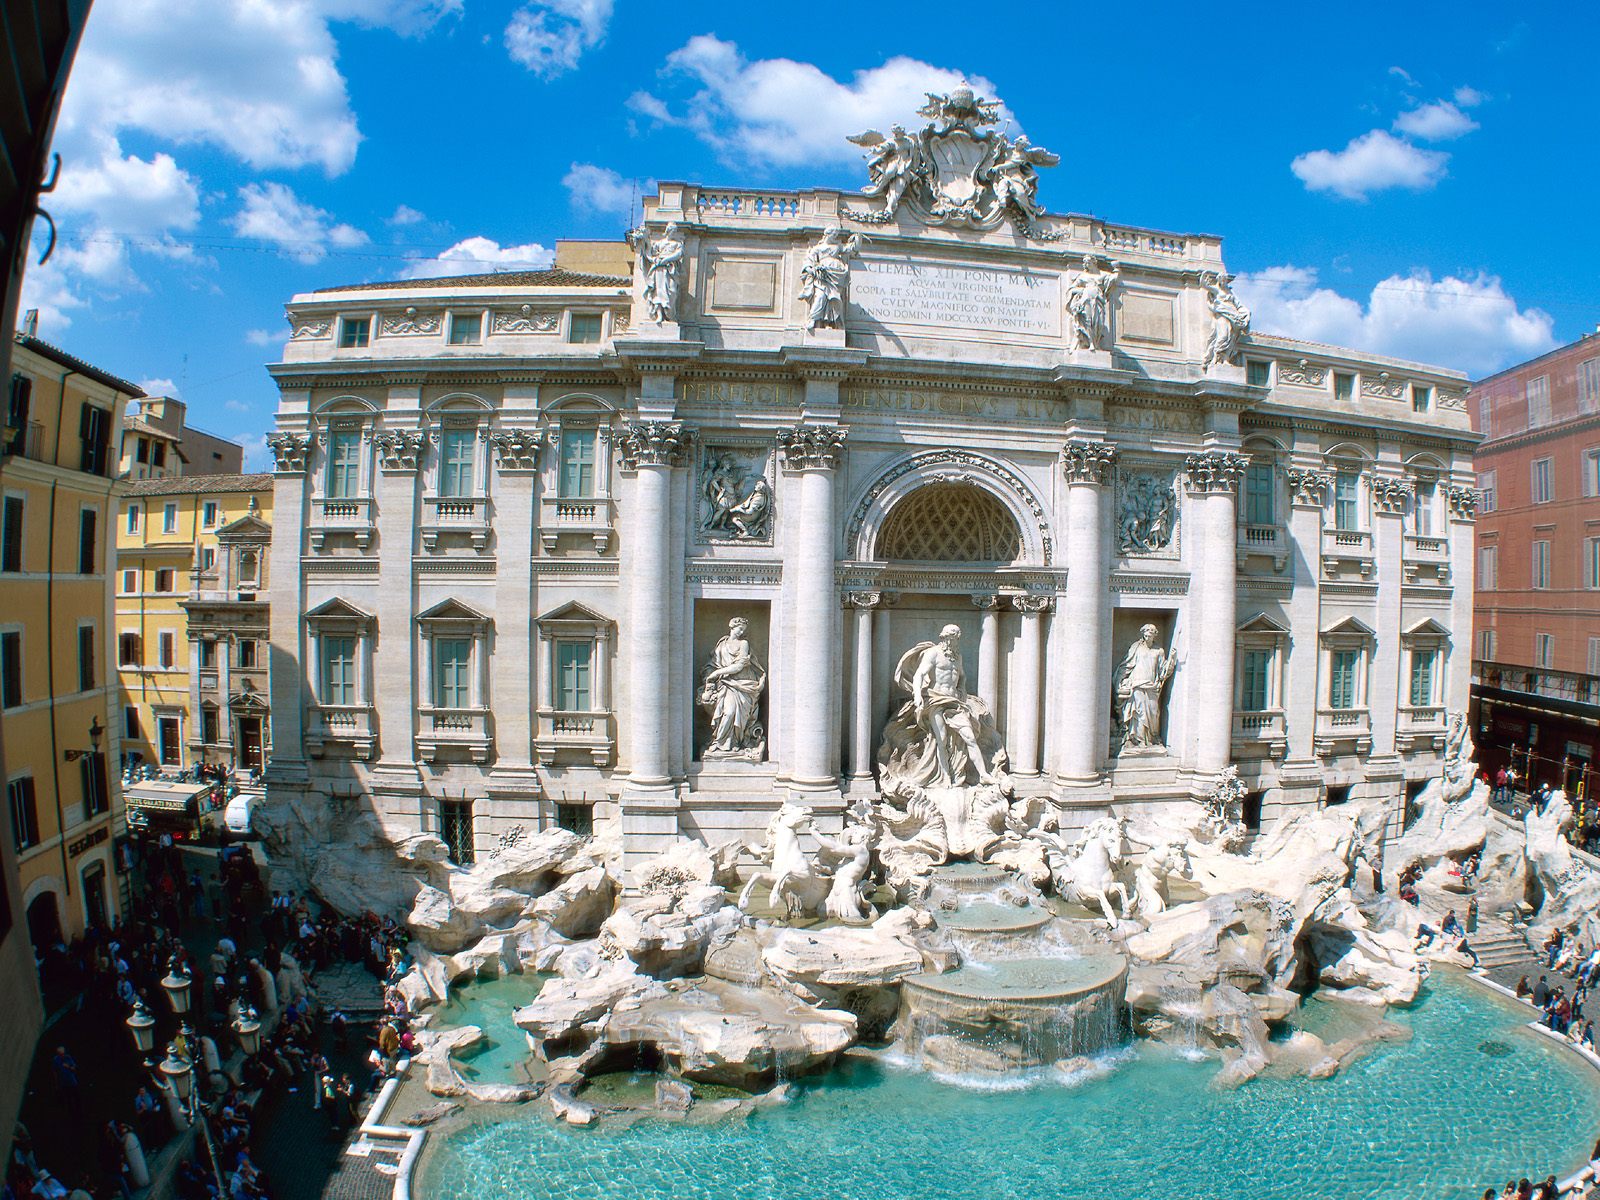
289 452
517 449
654 444
1215 471
398 449
822 362
812 446
1307 488
1087 460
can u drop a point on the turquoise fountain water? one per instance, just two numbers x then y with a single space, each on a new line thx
502 1055
1443 1115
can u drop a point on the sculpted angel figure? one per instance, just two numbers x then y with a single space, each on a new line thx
892 164
1140 682
824 276
1089 304
730 691
1015 178
1230 321
662 264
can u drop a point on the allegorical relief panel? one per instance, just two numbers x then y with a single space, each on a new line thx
736 495
1147 513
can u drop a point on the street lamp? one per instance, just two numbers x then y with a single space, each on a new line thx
247 1028
179 1072
177 985
143 1027
96 732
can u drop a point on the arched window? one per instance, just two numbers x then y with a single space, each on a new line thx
950 522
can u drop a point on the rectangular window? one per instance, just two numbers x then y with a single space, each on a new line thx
1487 492
1594 655
94 430
208 514
247 653
584 328
133 518
86 657
1544 649
1589 385
24 813
452 672
166 579
141 451
339 670
208 726
208 557
1541 488
455 829
88 521
1538 401
1485 416
1344 386
1346 501
1342 682
465 328
96 793
1258 497
1486 645
354 332
1591 472
10 669
11 535
1488 568
1421 398
166 649
130 582
1253 672
576 818
169 518
1541 565
208 655
1422 505
577 463
158 454
344 464
574 661
456 450
1591 563
1257 373
130 724
1422 664
128 650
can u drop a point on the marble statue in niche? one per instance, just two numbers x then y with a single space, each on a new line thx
737 496
1089 304
662 264
730 692
1230 321
824 276
1141 680
1149 513
942 736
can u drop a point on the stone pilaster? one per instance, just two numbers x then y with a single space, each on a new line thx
515 450
1024 722
1390 495
1084 690
395 677
1213 480
1308 492
290 650
864 606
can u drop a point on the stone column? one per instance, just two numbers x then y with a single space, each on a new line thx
1214 477
1023 724
652 450
511 697
1085 616
863 604
291 648
814 451
989 651
225 652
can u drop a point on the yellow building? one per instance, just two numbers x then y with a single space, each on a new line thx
58 689
191 619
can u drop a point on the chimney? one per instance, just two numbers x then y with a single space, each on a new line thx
30 323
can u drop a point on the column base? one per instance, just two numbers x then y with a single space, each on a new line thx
649 812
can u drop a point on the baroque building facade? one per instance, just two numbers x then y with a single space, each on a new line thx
653 549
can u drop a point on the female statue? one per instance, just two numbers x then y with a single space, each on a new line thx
1144 674
730 692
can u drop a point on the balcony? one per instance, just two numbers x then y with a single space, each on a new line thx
574 732
1420 728
1266 540
442 731
347 729
25 441
1260 734
341 516
1426 555
1343 726
590 516
467 515
1347 549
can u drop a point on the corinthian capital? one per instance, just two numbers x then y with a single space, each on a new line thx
1215 471
812 447
1087 460
654 444
289 450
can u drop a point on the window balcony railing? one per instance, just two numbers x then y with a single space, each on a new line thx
591 516
467 515
1263 731
1336 726
443 730
1266 540
25 441
1347 547
349 728
1420 727
1424 551
579 733
331 515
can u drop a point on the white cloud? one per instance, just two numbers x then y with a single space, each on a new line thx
781 112
480 256
404 214
158 387
263 337
1440 121
603 190
550 36
410 18
1470 97
273 213
1372 162
1471 324
257 458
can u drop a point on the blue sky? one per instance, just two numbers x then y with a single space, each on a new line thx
1412 178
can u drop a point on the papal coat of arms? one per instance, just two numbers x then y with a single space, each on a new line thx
956 170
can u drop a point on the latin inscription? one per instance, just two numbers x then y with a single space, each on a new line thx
744 284
895 292
735 393
1146 318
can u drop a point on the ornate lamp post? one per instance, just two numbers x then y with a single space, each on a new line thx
247 1028
177 985
143 1028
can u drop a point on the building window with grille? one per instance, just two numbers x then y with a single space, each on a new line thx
11 534
457 447
1346 501
1541 483
576 818
209 725
344 464
577 463
24 813
338 670
1541 565
455 829
1259 484
1544 650
11 668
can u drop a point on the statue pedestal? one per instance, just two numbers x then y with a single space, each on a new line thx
823 337
651 331
1092 358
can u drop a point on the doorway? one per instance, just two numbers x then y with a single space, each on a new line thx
94 896
44 924
171 741
250 742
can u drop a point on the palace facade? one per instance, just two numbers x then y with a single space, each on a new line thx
515 515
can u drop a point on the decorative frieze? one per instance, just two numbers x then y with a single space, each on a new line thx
1031 604
398 449
736 574
1452 401
410 323
1307 488
987 601
307 330
1302 374
812 447
863 600
1087 460
517 449
654 444
1382 387
1389 495
1147 513
1215 471
1149 585
1463 502
289 451
736 495
526 319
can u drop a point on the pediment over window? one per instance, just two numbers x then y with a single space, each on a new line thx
574 613
1427 629
1263 624
339 609
1349 628
452 610
248 528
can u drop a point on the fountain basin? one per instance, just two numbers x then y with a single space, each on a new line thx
1015 1014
